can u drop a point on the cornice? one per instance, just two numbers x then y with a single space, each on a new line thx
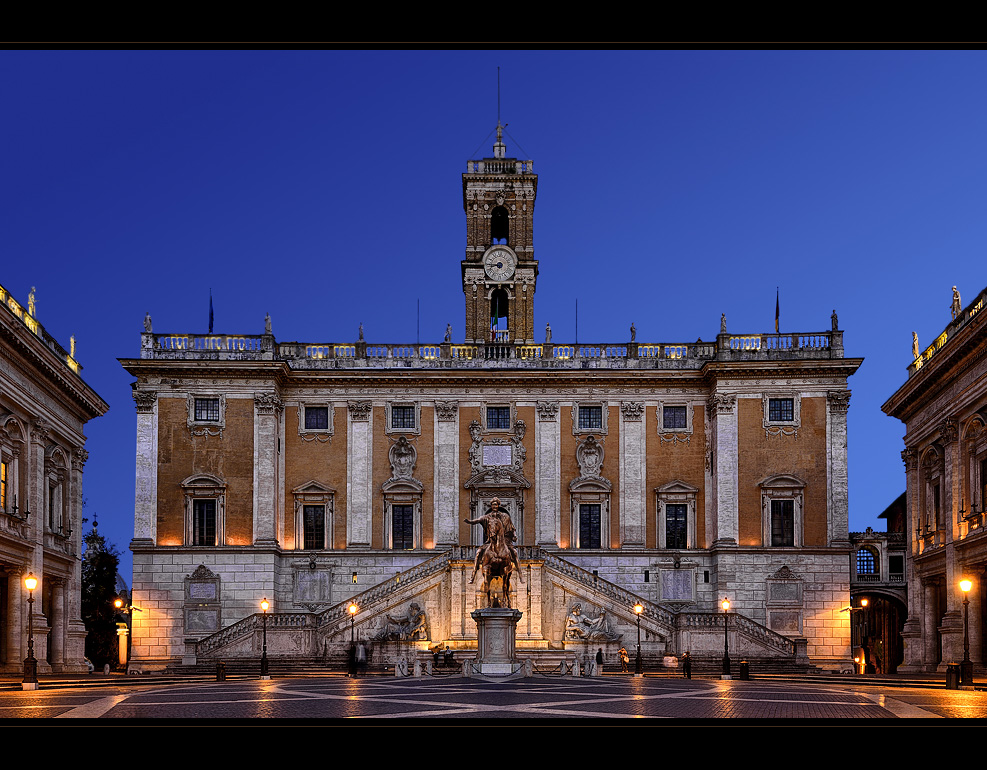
957 357
55 372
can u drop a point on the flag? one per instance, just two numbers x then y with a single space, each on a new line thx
777 310
210 311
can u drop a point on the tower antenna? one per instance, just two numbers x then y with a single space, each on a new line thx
498 96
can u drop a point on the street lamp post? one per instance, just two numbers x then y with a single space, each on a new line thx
352 609
966 667
263 656
128 610
30 662
638 664
726 638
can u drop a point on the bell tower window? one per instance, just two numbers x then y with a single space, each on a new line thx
499 300
500 226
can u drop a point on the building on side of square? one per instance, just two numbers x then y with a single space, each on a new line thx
878 593
673 475
943 405
44 406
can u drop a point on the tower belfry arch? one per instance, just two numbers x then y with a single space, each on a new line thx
499 268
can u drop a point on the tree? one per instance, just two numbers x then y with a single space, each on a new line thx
99 576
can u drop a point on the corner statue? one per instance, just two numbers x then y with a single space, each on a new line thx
497 556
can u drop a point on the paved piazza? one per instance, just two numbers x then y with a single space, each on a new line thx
609 700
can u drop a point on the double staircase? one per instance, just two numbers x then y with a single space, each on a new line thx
300 642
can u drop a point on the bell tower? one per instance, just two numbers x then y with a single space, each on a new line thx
500 269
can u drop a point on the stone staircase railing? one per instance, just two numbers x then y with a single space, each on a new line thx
656 616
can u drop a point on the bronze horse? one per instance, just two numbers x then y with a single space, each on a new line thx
496 561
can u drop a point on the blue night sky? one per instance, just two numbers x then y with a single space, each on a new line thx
673 186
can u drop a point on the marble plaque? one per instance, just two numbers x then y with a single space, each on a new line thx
311 587
497 454
202 591
204 621
676 585
784 622
783 592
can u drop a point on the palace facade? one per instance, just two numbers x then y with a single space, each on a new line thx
319 475
44 406
943 405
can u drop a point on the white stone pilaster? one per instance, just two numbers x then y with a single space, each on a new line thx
267 417
146 487
359 472
722 409
632 471
838 518
548 474
446 497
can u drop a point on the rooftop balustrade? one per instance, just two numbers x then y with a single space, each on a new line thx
26 316
524 355
963 319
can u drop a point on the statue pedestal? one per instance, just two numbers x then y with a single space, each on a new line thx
496 628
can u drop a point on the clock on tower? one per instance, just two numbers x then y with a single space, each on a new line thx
500 269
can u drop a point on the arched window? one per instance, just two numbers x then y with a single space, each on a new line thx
500 226
866 563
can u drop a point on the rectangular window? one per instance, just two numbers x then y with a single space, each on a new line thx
781 409
498 417
589 525
203 522
403 417
782 522
314 527
402 527
52 493
3 486
207 410
590 417
673 417
675 525
316 418
935 505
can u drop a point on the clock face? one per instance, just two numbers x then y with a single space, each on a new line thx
499 264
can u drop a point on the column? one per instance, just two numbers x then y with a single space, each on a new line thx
633 466
359 474
914 649
446 497
722 411
268 409
146 487
952 621
36 525
75 628
548 474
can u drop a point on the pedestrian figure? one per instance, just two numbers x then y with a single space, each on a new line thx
624 659
361 658
687 665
